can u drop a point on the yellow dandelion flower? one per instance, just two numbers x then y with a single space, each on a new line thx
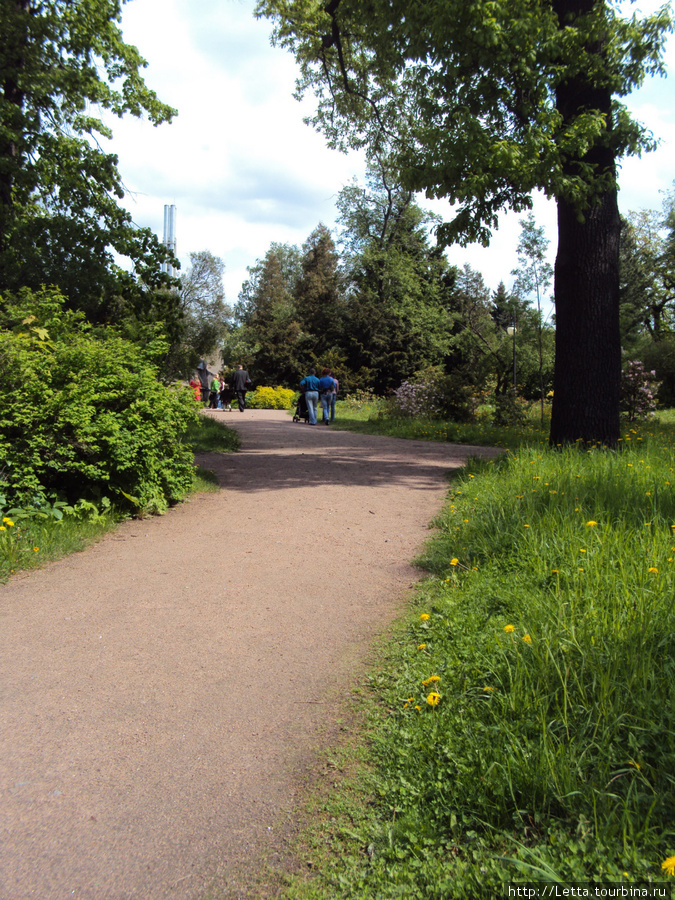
555 571
454 562
422 647
424 617
668 865
509 629
581 550
653 569
2 528
434 698
488 688
591 524
36 549
418 708
8 522
527 638
526 526
431 680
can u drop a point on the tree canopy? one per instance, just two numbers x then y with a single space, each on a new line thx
63 66
482 103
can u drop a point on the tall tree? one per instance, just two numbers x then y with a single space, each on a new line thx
61 63
267 339
533 278
317 295
398 284
482 103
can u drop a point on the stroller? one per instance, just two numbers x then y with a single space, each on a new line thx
301 411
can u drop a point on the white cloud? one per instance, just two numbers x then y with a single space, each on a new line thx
244 170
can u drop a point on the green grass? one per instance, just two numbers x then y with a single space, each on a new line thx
371 418
34 537
547 624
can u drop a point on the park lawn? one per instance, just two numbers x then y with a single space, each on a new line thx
519 726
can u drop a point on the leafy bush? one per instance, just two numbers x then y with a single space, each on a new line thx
271 398
638 391
433 394
83 415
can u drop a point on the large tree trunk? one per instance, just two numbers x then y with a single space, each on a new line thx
587 377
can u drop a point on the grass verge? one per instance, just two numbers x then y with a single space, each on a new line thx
520 727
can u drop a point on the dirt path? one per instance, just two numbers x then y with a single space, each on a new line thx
164 691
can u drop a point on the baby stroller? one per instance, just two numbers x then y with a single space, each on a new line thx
301 411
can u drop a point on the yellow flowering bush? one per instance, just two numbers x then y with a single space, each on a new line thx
271 398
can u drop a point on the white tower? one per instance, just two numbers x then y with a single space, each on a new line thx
169 239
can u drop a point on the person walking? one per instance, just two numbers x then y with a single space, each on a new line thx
310 386
226 394
326 385
333 396
240 384
213 393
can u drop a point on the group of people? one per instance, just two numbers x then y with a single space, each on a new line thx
213 390
326 388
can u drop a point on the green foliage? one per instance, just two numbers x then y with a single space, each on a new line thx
82 414
206 434
271 398
546 626
62 63
204 315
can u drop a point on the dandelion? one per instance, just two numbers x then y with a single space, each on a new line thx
653 569
581 550
509 629
526 526
488 688
8 522
527 638
668 865
36 549
591 524
434 698
431 680
2 528
418 708
454 562
422 647
424 617
555 571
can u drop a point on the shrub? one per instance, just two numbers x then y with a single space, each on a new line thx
638 391
83 415
271 398
432 394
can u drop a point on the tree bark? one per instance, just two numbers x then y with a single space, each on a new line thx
587 374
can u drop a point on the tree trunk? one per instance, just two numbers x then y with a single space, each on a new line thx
587 376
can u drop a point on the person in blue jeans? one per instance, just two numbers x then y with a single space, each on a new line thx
326 385
310 386
333 396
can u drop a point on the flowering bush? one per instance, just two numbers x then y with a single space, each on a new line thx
432 394
271 398
638 391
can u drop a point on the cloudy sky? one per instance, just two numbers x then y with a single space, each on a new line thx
243 169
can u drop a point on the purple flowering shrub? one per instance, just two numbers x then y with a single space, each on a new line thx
432 394
638 391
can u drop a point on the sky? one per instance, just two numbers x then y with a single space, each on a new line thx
242 168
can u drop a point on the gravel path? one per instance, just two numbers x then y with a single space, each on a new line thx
165 691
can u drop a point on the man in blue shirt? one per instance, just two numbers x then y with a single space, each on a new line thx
310 385
326 387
